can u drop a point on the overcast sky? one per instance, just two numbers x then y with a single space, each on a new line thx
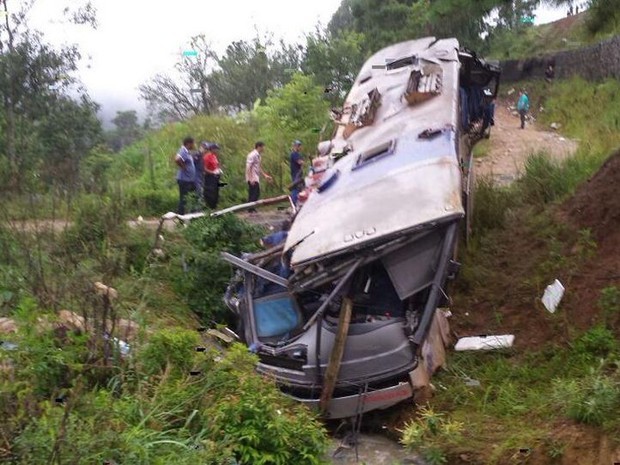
137 38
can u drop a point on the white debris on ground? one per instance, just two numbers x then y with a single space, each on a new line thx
504 341
553 295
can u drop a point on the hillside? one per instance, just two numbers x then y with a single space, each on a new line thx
568 33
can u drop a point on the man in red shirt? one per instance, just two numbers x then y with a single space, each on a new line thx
213 173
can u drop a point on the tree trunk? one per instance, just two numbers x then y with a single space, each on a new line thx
9 105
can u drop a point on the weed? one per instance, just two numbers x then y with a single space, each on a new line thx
481 149
609 303
542 181
169 348
596 342
592 399
491 205
431 432
555 448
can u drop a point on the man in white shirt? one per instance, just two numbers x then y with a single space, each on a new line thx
253 171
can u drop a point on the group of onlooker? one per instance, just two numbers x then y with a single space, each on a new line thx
199 172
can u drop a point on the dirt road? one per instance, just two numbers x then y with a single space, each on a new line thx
510 146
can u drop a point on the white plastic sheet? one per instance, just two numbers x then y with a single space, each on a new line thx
484 342
553 295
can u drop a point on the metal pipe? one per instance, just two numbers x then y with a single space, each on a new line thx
257 270
431 303
258 203
319 313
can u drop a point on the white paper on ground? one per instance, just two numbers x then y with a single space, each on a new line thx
552 296
484 342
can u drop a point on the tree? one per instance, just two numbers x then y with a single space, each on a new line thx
187 92
334 60
296 111
35 80
603 14
127 129
382 22
342 20
248 70
65 136
206 83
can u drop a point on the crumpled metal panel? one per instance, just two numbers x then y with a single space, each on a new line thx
420 182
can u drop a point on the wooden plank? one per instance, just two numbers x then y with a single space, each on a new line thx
335 359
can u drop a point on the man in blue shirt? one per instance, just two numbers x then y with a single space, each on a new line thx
297 173
186 174
523 106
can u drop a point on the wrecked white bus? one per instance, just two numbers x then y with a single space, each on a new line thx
340 313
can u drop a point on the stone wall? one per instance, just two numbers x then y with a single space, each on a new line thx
593 63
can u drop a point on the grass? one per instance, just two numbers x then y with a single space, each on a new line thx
518 247
482 148
522 397
72 397
567 34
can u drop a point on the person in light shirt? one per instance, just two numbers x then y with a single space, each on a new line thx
253 172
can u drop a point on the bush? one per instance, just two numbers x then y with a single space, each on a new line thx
249 414
543 180
206 275
596 342
228 415
169 348
609 303
490 205
145 201
96 219
592 399
603 15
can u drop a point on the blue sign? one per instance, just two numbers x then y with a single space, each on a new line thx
190 53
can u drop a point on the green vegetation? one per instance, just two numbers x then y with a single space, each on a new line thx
147 409
429 433
519 247
74 396
144 171
521 397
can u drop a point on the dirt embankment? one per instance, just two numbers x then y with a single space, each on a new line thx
505 296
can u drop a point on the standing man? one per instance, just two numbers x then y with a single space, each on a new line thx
253 171
213 172
186 174
523 106
297 173
488 112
